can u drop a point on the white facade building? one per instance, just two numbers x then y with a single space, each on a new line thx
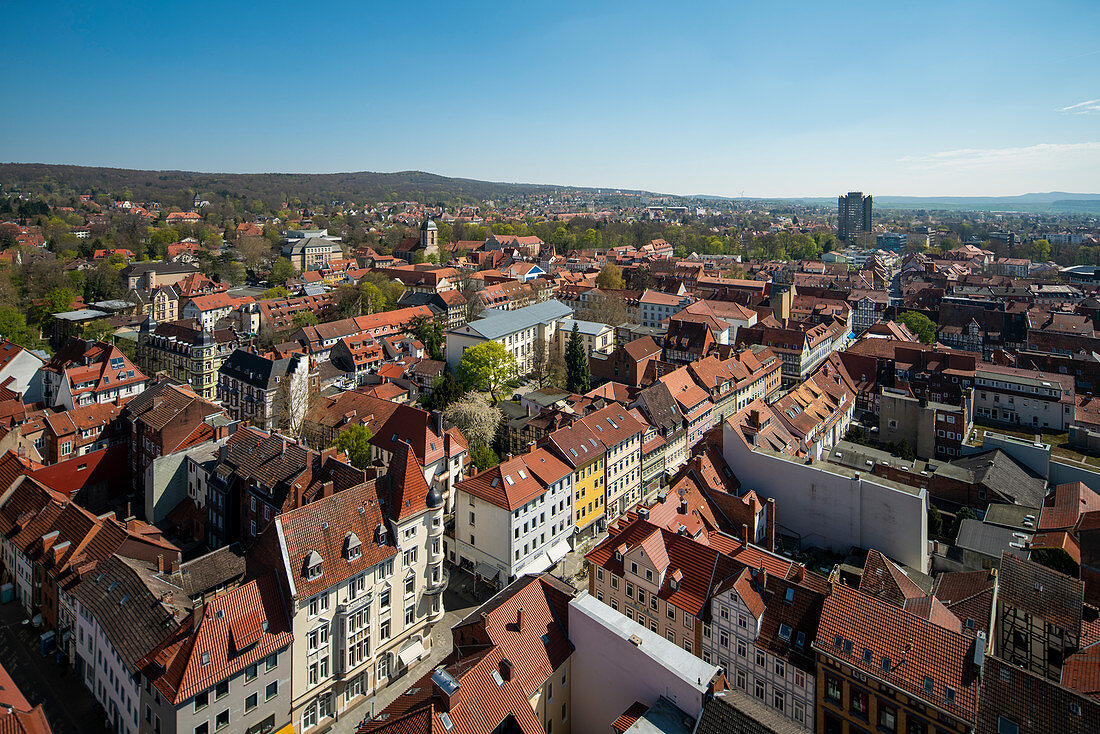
515 518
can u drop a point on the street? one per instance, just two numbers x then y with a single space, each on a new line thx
70 707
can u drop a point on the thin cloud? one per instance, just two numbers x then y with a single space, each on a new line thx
1042 155
1082 108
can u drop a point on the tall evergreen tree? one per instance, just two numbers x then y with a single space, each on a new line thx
577 376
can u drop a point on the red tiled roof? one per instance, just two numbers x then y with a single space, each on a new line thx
1065 504
920 652
324 527
883 579
204 649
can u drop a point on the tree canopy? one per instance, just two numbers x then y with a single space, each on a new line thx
486 366
577 377
355 442
919 324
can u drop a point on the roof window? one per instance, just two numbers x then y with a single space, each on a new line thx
927 684
868 656
785 632
790 595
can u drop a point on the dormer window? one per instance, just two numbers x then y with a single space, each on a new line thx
381 533
313 566
352 547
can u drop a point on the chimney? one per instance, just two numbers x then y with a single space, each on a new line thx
769 525
762 576
799 572
505 669
754 417
196 616
683 505
519 619
744 535
643 513
175 565
160 563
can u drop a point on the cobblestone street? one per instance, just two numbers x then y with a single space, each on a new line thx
70 707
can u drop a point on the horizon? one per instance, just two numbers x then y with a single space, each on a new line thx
700 101
603 189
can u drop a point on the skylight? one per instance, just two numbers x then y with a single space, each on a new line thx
522 475
790 595
927 684
886 664
785 632
508 478
801 639
446 719
867 655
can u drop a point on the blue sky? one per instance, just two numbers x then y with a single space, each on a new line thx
773 99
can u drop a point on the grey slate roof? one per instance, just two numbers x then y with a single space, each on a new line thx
125 597
222 567
495 323
589 328
989 540
255 370
999 473
735 712
660 407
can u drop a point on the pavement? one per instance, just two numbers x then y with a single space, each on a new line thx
69 705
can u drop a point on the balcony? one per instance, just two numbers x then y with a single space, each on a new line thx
438 588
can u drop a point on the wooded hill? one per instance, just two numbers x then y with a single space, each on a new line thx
178 188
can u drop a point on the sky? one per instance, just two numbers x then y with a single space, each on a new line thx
782 98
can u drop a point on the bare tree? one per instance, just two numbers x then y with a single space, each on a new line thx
540 361
299 389
606 309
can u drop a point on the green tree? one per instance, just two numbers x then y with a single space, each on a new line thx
483 457
577 376
282 270
610 278
276 292
13 327
919 324
1040 251
935 520
430 333
486 367
355 442
305 318
445 392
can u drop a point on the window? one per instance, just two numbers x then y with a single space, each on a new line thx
222 721
634 568
250 673
833 690
778 700
250 703
1007 726
741 679
271 691
780 669
641 596
887 717
384 630
410 586
202 728
759 689
671 611
799 712
270 662
221 690
410 614
384 600
857 704
723 638
202 700
760 662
